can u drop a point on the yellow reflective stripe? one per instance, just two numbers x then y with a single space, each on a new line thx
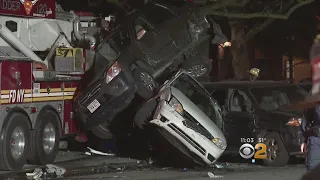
3 92
40 99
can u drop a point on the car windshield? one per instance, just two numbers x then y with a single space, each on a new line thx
198 95
272 98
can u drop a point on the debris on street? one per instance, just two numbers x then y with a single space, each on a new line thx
211 175
92 152
220 165
49 171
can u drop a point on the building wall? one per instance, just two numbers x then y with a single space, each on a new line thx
301 70
274 68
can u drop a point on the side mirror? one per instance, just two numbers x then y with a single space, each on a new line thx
141 33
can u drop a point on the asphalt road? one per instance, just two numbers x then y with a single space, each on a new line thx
81 166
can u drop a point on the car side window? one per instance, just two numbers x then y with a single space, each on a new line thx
141 27
240 102
221 96
121 40
157 14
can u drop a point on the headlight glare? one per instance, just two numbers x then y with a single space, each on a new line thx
294 122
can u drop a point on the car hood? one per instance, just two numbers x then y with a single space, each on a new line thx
289 113
279 117
198 114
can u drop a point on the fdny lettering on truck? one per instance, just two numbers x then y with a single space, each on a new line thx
16 96
10 5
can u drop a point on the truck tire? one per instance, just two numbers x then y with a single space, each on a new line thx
145 112
197 66
102 131
145 83
14 142
46 138
276 147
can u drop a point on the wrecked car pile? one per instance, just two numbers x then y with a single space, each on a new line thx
185 113
139 54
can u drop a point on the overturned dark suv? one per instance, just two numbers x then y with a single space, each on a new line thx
151 43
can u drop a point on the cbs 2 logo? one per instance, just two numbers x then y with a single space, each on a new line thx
246 151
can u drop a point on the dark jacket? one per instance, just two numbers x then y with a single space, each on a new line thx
311 119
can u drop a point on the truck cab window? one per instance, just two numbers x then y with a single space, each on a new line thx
220 95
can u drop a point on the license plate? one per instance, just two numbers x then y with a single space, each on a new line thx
93 106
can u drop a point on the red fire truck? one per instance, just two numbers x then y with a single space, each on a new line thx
41 63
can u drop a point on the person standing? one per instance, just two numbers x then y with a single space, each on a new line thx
310 127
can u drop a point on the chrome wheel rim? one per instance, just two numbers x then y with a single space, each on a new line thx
272 149
49 138
147 81
17 142
197 70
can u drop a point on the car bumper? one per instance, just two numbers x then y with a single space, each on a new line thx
112 97
292 140
171 121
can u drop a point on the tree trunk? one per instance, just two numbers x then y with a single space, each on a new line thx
240 58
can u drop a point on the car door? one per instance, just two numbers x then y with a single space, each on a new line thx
156 43
238 121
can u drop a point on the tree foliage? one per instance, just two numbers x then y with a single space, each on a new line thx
264 12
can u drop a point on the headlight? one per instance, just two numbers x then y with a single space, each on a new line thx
294 122
176 105
218 142
112 72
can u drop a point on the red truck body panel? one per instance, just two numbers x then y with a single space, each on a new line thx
21 89
28 8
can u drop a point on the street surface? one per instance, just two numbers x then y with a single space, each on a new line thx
81 166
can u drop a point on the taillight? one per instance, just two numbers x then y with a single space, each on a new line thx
294 122
112 72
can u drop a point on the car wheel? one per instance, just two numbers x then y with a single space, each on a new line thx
144 113
46 138
145 83
198 66
14 142
277 154
102 131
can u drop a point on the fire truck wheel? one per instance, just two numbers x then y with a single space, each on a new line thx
46 138
14 142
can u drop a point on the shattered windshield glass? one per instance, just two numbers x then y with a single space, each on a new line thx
272 98
199 96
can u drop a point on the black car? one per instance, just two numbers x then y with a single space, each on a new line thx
139 52
306 84
255 111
